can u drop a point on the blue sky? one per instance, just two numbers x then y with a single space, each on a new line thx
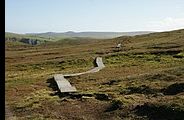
28 16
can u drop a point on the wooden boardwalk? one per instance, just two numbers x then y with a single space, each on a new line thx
65 86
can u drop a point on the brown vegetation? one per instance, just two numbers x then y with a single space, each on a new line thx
135 84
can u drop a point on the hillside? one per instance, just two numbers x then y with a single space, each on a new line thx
142 80
97 35
26 39
52 36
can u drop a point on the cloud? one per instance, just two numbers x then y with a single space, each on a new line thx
167 24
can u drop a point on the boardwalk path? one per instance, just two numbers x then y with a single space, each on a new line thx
65 86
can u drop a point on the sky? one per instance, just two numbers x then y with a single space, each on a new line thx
36 16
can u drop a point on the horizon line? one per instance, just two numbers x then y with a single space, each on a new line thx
93 31
81 32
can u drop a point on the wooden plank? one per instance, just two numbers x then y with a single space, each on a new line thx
99 62
65 86
100 66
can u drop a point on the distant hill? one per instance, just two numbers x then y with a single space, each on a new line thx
98 35
27 39
37 38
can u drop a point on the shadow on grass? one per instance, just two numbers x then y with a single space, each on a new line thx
174 89
159 112
114 105
140 89
53 85
165 52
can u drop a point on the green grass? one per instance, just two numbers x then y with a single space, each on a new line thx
126 60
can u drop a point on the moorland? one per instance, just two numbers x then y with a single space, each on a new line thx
142 80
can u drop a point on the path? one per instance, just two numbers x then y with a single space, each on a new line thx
65 86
